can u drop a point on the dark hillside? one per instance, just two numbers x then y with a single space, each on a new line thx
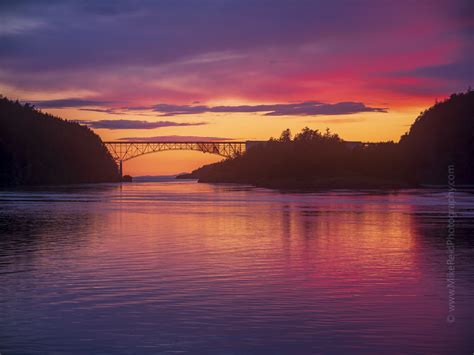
442 135
38 148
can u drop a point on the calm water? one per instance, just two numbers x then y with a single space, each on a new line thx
186 267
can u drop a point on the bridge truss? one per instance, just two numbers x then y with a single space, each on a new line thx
125 150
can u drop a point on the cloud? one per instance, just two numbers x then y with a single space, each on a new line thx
133 124
307 108
17 25
214 50
341 108
69 102
176 139
111 111
461 71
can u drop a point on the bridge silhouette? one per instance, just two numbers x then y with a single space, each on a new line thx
125 150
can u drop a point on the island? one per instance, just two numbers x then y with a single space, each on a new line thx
439 143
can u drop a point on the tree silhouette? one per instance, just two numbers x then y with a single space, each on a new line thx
38 148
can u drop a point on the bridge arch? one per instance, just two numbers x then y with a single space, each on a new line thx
125 150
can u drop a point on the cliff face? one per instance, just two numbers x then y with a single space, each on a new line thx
38 148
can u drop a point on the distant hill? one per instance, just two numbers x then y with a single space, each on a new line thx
441 136
38 148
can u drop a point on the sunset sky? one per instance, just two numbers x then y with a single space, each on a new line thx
228 69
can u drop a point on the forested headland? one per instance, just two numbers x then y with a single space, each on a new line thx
37 148
441 138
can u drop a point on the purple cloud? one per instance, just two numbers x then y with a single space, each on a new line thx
461 71
308 108
69 102
340 108
132 124
103 110
176 139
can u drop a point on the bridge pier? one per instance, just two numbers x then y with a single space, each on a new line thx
120 168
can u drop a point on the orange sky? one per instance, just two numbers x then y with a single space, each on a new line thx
372 126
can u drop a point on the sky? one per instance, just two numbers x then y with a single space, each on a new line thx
234 69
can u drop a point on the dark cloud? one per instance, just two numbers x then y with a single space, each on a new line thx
340 108
308 108
69 102
103 110
461 71
176 139
132 124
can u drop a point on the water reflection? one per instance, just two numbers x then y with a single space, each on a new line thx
182 266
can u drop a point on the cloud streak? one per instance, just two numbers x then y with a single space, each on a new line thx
176 139
307 108
461 71
133 124
69 102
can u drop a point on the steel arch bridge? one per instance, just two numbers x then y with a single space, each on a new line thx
125 150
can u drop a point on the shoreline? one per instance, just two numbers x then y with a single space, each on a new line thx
331 184
355 183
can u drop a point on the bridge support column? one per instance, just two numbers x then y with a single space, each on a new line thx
120 169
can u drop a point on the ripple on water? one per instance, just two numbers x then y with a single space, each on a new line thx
157 267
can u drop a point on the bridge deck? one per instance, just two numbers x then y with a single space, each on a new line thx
126 150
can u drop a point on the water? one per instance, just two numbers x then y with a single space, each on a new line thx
156 267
